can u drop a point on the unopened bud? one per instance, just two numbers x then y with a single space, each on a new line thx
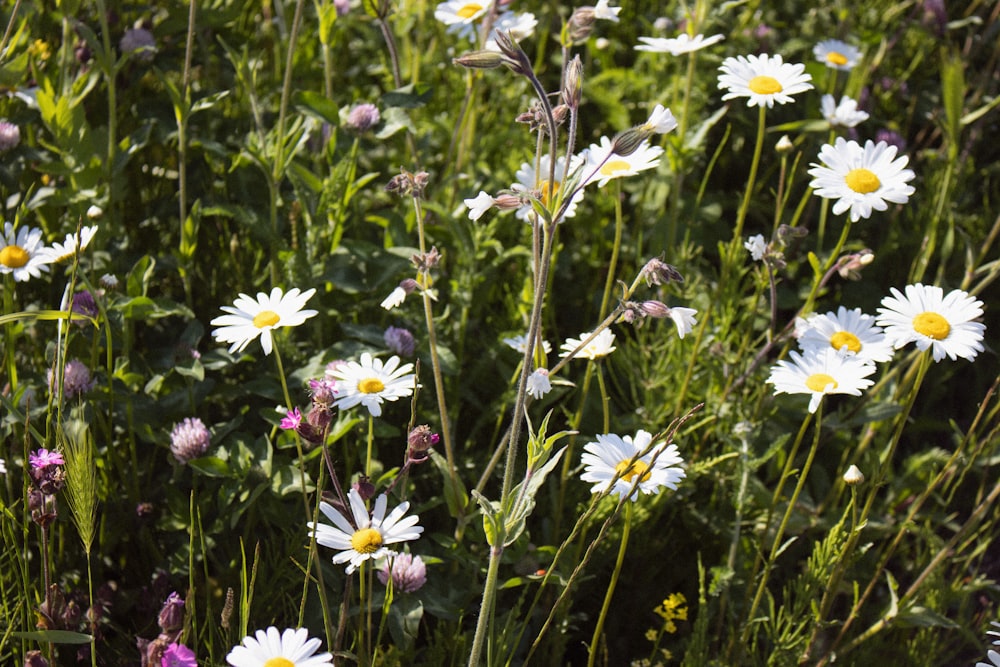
580 25
572 91
784 144
655 309
507 202
658 272
171 615
627 142
364 487
854 476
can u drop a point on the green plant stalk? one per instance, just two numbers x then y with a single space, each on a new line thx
776 544
368 449
622 546
822 278
751 181
609 281
9 333
312 559
930 238
109 75
182 122
677 194
734 543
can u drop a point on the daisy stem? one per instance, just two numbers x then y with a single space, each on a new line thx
821 278
371 438
751 179
613 262
776 543
10 333
604 400
598 629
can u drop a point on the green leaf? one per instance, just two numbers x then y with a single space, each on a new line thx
210 466
524 503
408 97
55 636
491 519
814 263
318 106
953 97
454 491
327 19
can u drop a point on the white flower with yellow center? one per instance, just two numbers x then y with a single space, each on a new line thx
22 253
675 46
371 382
528 180
461 15
601 164
521 341
609 464
837 54
763 79
819 373
368 537
291 648
925 315
601 346
861 179
74 243
519 26
843 114
850 331
249 318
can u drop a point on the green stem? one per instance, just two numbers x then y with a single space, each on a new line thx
598 629
609 281
751 179
371 439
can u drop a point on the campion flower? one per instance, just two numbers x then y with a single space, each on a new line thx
925 315
291 420
479 204
603 11
819 373
408 573
660 121
22 253
757 247
76 379
601 164
861 179
683 319
179 655
189 439
837 54
368 538
763 79
520 342
398 295
3 467
73 244
290 648
530 181
675 46
251 317
843 114
45 458
539 383
601 346
612 456
371 382
852 332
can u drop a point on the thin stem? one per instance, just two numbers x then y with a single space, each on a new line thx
609 281
598 629
751 179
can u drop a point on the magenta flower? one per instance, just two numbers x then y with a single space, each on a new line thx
44 458
178 655
291 420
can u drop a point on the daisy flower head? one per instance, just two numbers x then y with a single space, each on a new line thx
602 164
371 382
837 54
74 243
925 315
520 342
22 253
843 114
763 79
538 182
601 346
518 26
461 15
249 318
994 659
861 179
819 373
675 46
368 537
611 457
291 648
852 332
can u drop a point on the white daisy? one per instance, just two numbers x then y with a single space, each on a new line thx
396 297
661 120
757 247
73 243
519 343
675 46
371 382
539 383
683 319
291 648
258 317
763 79
519 26
22 253
837 54
601 164
819 373
931 319
850 331
603 11
861 179
994 658
611 456
479 205
368 537
530 181
844 114
461 15
601 346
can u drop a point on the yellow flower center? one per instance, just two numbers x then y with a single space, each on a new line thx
629 472
543 187
612 167
278 662
469 10
265 318
764 85
366 541
14 256
370 386
835 58
931 325
842 338
820 381
862 181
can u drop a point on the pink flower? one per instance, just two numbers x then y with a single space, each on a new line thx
44 458
178 655
291 420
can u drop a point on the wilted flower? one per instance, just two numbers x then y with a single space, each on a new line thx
853 476
658 272
189 439
419 441
171 616
408 573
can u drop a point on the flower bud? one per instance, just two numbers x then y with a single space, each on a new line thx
854 476
364 487
479 60
572 91
171 616
784 144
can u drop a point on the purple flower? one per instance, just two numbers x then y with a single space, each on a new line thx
44 458
891 138
171 617
408 573
363 117
10 136
76 379
400 341
189 439
84 303
291 420
178 655
140 42
323 391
